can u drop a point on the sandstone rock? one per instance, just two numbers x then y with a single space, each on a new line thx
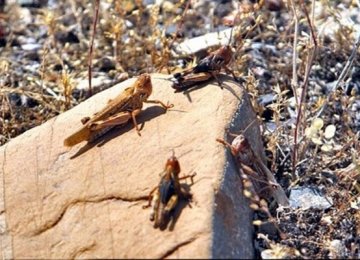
203 42
86 201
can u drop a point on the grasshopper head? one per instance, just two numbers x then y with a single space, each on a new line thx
172 165
240 144
226 53
143 86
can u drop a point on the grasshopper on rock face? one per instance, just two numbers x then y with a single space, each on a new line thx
166 195
118 111
250 163
208 67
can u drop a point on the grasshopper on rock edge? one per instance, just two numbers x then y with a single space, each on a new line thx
208 67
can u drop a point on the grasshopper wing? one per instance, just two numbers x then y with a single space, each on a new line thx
86 133
94 129
167 189
77 137
189 80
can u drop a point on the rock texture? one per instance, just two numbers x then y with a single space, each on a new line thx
86 201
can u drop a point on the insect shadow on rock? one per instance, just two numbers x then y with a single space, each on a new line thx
225 86
166 197
252 168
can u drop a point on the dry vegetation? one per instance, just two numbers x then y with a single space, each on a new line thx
299 61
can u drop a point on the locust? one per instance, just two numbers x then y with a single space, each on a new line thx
166 195
252 165
127 105
207 68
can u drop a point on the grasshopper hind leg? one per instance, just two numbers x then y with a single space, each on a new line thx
166 211
155 209
217 79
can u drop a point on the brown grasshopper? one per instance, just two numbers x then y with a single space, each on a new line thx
251 164
208 67
118 111
166 195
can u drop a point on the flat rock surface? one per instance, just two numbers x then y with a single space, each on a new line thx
86 201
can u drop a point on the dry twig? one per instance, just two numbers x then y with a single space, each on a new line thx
310 60
97 4
294 80
342 76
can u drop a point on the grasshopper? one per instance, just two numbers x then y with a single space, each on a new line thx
118 111
254 168
208 67
166 195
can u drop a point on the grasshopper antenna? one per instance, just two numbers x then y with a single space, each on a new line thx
252 122
213 18
231 33
147 65
180 24
241 131
181 155
233 25
218 30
